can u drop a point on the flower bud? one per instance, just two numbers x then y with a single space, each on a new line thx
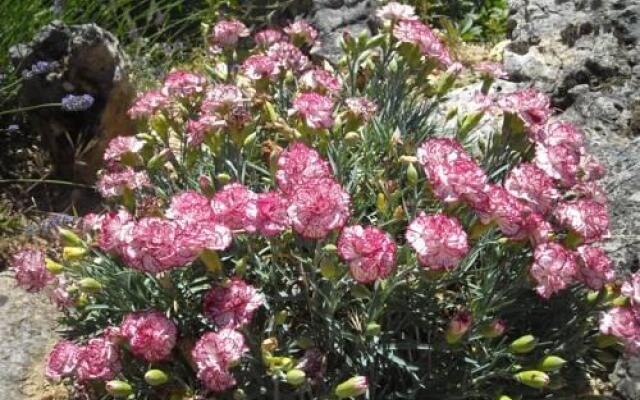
381 202
360 292
352 137
408 159
504 397
523 344
534 379
330 248
156 377
269 345
412 175
551 363
206 184
279 363
82 300
239 394
373 329
281 317
119 388
89 285
353 387
296 377
212 261
223 178
53 267
73 253
458 326
70 237
398 213
328 270
494 329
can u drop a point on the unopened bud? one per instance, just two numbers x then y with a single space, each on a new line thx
280 363
269 345
352 137
523 344
360 292
494 329
89 285
412 175
408 159
381 202
239 394
70 237
458 326
119 388
281 317
156 377
328 270
551 363
353 387
296 377
223 178
330 248
53 267
212 261
398 213
373 329
504 397
534 379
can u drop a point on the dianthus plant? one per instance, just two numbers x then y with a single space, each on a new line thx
286 228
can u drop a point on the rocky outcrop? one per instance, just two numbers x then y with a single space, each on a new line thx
79 60
586 55
334 17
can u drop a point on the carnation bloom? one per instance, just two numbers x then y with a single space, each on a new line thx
586 217
416 33
631 288
115 230
112 183
151 335
298 164
148 103
99 360
120 147
321 81
532 106
554 268
319 206
156 246
30 270
235 207
439 241
62 360
315 109
272 217
197 130
183 84
288 57
530 184
189 206
214 354
370 252
222 99
361 108
267 37
301 32
492 70
226 34
506 210
453 174
459 324
258 66
560 162
623 323
595 268
590 168
232 305
394 11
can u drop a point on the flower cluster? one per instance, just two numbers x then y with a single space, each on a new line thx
98 360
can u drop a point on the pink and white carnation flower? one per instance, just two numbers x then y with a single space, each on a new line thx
197 130
554 268
214 354
151 335
631 289
318 207
370 252
586 217
99 360
113 183
120 148
235 207
623 323
531 185
259 66
315 109
394 11
226 34
148 103
533 107
361 108
595 267
233 304
321 81
221 99
299 164
267 37
272 218
182 84
301 32
288 57
31 271
439 241
62 360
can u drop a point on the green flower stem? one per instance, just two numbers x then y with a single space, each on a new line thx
30 108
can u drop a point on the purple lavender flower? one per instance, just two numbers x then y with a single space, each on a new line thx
72 102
